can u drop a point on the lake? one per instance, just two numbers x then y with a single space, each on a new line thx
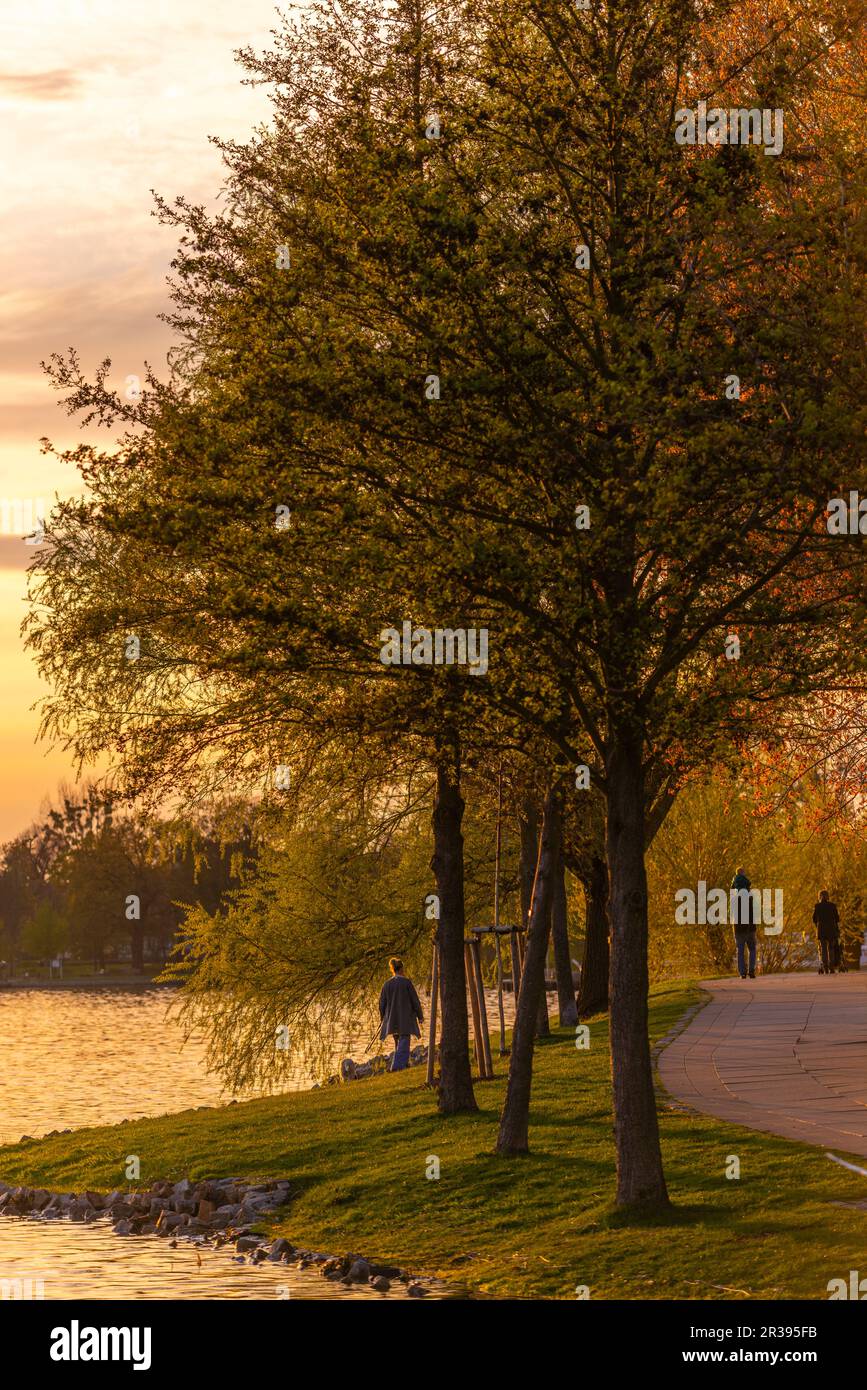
77 1057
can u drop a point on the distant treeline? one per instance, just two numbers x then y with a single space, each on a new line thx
97 882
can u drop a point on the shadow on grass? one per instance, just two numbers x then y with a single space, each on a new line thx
648 1217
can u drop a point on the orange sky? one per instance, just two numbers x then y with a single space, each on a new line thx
99 103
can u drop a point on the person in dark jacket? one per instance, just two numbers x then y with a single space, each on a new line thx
400 1012
745 927
827 922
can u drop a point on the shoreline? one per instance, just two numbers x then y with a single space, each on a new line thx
89 982
212 1214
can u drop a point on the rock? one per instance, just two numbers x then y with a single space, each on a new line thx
123 1228
380 1283
182 1189
171 1220
280 1249
79 1208
246 1242
206 1209
95 1199
347 1069
121 1210
258 1255
416 1291
40 1199
358 1272
386 1271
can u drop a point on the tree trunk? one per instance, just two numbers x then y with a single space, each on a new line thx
528 866
514 1121
136 931
455 1094
593 991
640 1178
566 1005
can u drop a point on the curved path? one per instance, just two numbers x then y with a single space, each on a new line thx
783 1053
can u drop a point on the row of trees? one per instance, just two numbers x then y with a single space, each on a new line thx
93 876
479 346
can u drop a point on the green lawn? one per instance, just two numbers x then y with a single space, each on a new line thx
534 1227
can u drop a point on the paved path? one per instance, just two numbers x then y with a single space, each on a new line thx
783 1053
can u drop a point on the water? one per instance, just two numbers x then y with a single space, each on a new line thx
77 1057
59 1259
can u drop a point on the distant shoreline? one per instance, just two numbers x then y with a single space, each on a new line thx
89 982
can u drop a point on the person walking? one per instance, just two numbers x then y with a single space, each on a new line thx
827 922
744 925
400 1013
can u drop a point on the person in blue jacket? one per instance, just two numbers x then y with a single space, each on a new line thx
400 1013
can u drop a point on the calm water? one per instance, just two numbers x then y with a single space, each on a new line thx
71 1058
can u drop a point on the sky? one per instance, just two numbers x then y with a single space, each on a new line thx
100 102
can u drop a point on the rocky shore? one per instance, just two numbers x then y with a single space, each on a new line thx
214 1213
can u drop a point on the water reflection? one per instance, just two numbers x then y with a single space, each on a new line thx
58 1259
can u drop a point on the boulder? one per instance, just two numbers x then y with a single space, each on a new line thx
380 1283
171 1220
247 1243
416 1291
358 1272
280 1249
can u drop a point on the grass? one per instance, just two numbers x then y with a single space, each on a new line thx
534 1227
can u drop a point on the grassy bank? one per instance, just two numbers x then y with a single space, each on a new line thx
534 1227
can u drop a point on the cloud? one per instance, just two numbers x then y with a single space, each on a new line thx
60 84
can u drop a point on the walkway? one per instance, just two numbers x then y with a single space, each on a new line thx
782 1053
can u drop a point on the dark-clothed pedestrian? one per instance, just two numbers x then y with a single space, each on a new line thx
744 925
400 1013
827 922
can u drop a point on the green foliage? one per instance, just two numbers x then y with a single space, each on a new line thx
302 946
45 934
715 826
